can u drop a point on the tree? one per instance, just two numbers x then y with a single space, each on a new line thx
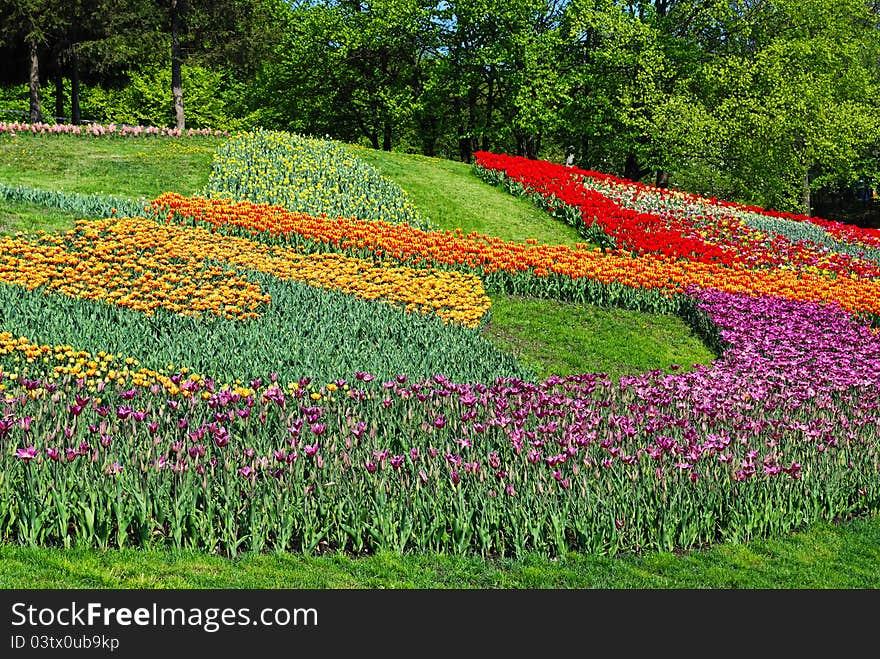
470 74
87 45
495 73
637 101
31 23
801 99
233 35
351 69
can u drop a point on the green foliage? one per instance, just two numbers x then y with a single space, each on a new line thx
348 70
81 205
145 100
294 336
640 110
799 99
15 100
755 101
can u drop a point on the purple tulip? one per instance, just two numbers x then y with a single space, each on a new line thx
128 394
27 454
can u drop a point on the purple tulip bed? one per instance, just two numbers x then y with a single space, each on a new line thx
781 431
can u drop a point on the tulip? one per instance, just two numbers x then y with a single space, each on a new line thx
26 454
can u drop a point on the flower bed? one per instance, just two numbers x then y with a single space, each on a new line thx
307 175
104 130
645 220
577 273
138 263
244 450
779 433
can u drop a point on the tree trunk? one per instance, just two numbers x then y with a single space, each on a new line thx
176 65
536 146
632 169
36 114
466 144
464 149
428 134
490 108
59 94
528 145
805 194
386 136
75 117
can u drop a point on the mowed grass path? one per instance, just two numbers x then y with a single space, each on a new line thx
448 193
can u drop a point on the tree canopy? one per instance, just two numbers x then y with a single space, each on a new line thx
766 101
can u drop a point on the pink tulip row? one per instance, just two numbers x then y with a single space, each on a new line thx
97 130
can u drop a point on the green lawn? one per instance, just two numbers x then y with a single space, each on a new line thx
31 217
448 193
134 167
842 556
558 338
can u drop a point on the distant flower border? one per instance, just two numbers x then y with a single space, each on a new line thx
101 130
